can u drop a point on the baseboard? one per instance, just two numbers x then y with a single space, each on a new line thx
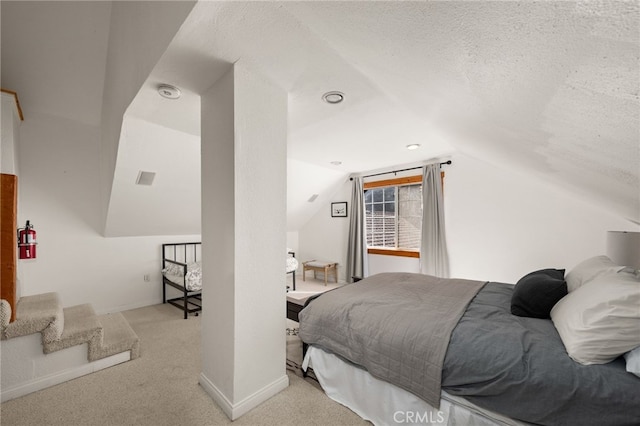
63 376
130 306
234 411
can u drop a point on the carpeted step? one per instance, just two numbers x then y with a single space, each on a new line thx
118 337
63 328
41 313
81 325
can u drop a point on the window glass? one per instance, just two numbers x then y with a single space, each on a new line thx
393 216
409 216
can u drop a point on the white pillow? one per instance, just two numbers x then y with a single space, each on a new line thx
600 320
633 361
590 269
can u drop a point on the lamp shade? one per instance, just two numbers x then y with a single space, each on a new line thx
623 248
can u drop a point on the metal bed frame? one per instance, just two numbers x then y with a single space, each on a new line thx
181 254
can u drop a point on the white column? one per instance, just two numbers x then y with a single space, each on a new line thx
244 142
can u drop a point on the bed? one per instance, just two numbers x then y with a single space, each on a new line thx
427 350
182 271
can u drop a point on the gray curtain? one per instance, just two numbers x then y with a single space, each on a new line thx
357 261
434 259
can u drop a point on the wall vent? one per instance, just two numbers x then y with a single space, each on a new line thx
145 178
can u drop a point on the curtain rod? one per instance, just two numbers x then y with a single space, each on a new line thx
402 170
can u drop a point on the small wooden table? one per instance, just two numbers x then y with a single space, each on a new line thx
320 266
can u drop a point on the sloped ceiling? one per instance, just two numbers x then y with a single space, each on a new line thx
547 88
54 56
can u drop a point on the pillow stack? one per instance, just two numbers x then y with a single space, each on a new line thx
599 319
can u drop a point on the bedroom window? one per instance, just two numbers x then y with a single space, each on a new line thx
393 213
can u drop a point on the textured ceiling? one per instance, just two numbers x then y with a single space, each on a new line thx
546 88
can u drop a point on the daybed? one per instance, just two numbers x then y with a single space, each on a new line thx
401 348
182 270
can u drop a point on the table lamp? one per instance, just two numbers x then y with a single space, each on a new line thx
623 248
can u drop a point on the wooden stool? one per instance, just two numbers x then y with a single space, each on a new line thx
321 266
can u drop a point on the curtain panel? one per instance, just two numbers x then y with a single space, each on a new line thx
357 258
434 258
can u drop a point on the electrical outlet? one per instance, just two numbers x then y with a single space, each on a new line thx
147 278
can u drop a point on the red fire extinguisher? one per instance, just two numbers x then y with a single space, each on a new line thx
27 242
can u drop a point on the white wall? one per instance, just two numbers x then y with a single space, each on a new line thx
173 200
9 159
292 241
59 188
325 237
380 263
9 135
500 225
305 180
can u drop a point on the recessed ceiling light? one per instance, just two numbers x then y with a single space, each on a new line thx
336 163
413 146
333 97
168 91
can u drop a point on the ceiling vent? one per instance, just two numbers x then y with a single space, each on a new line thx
145 178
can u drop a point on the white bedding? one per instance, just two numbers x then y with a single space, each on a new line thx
385 404
192 280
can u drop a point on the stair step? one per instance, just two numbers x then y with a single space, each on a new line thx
63 328
38 313
81 325
118 336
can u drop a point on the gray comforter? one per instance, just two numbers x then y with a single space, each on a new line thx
511 365
396 325
519 367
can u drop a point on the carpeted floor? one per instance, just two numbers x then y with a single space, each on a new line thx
161 387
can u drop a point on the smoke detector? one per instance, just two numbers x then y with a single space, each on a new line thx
168 91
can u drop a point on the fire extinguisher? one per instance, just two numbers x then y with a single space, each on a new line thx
27 242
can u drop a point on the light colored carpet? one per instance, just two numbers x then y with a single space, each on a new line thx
161 387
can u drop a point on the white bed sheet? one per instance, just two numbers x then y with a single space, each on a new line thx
385 404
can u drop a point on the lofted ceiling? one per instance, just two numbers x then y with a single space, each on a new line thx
547 88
